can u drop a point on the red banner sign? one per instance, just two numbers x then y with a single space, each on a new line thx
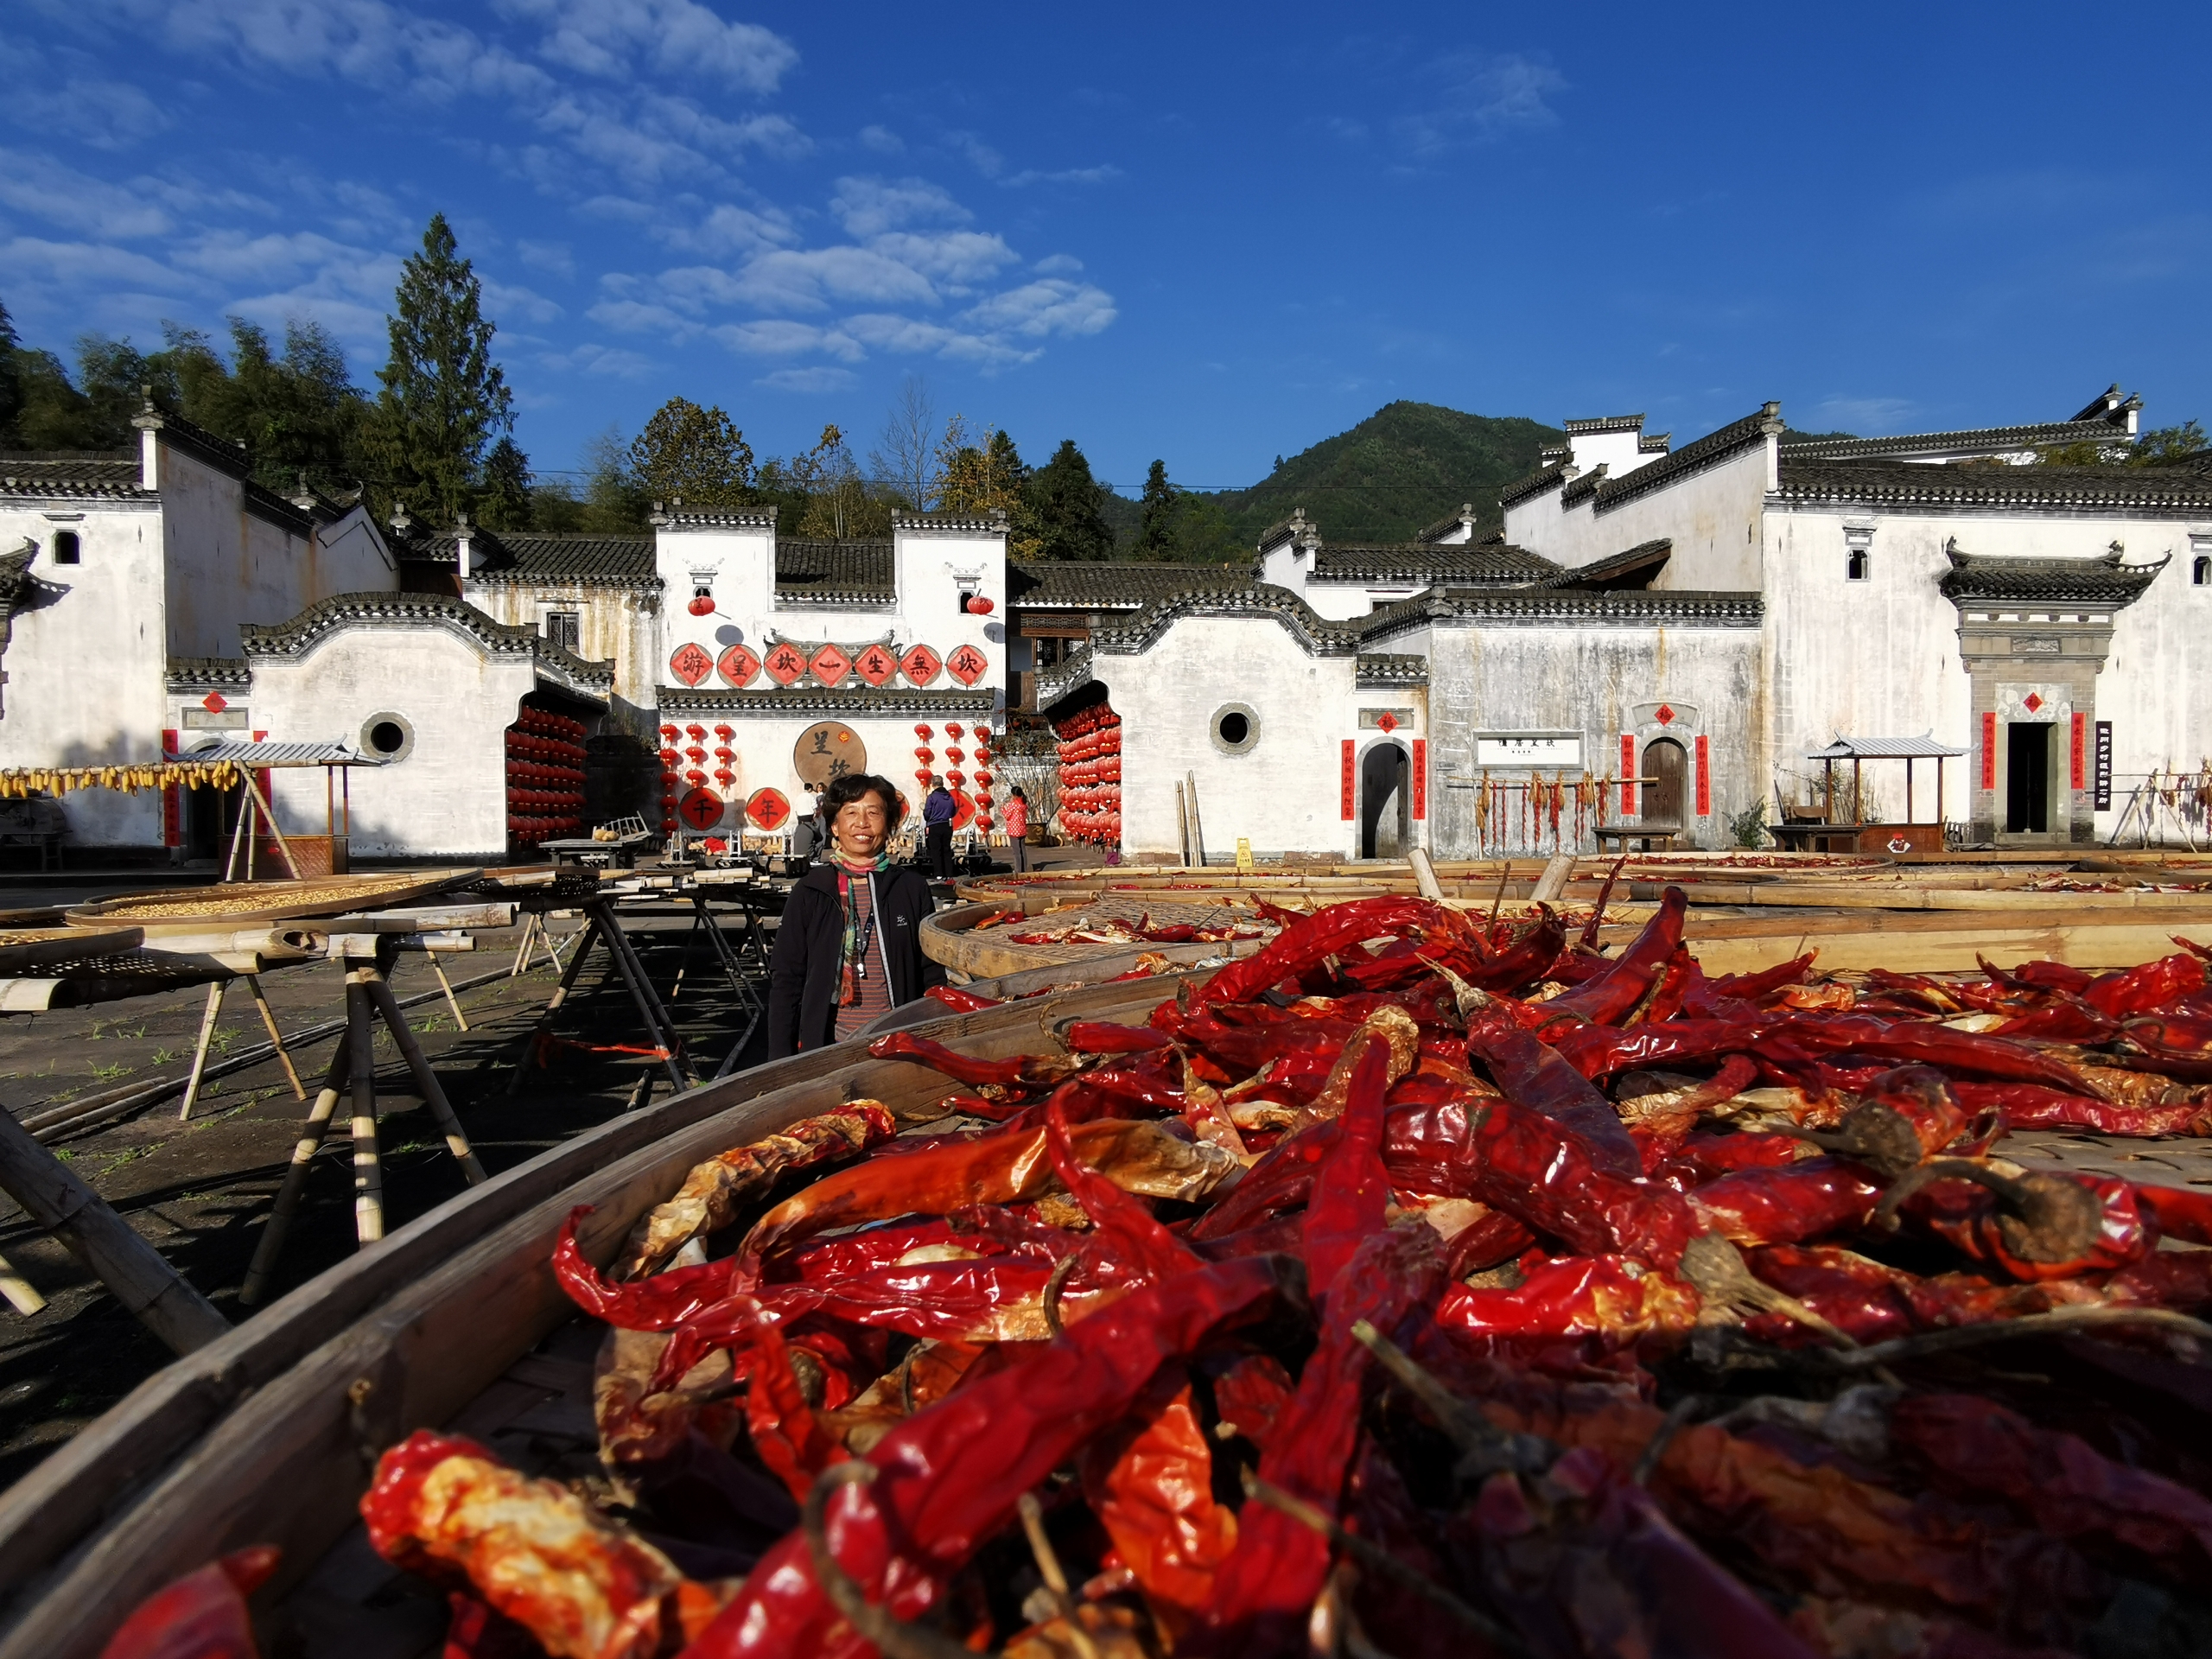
2080 757
768 808
1347 788
690 664
1704 775
737 665
1628 774
1989 750
967 665
875 664
784 664
172 797
1421 777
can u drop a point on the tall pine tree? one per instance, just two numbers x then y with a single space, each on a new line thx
444 402
11 380
1156 527
1068 505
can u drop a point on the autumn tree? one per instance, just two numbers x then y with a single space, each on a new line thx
902 459
834 502
694 458
444 402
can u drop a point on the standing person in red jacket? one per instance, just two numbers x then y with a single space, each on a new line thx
1017 826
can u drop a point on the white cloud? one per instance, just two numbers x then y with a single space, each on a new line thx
778 338
614 38
1057 264
1484 95
1100 174
792 280
881 140
731 229
814 379
1863 415
62 196
87 263
1049 307
869 206
105 114
503 301
553 258
951 256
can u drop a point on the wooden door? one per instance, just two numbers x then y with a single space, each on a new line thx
1663 764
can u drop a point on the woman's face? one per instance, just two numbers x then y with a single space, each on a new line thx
861 827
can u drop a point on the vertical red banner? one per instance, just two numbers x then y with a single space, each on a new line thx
1627 775
172 797
1421 768
1704 775
2079 759
1989 751
1345 789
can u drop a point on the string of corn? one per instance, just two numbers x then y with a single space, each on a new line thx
20 783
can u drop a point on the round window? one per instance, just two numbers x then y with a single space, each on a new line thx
387 736
1236 728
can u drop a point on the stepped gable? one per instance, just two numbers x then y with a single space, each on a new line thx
1550 475
1644 560
63 475
847 574
2104 579
1377 671
1750 433
2182 491
208 673
300 635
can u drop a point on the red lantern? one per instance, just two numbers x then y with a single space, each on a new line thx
694 732
703 603
956 776
984 779
725 733
979 605
926 755
670 732
952 729
955 755
983 734
924 733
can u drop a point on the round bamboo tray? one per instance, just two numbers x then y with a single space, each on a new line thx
225 903
256 1438
956 938
23 949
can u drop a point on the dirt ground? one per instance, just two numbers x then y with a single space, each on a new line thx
201 1191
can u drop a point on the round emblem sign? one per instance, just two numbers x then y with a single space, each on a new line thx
967 665
784 664
963 808
690 664
875 664
920 665
830 665
827 750
701 809
737 665
768 808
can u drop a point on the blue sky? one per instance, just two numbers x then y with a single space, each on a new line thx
1209 234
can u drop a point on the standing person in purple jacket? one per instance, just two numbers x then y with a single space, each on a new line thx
938 813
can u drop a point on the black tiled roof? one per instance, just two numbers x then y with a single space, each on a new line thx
1547 477
1116 587
2103 580
1604 423
1993 439
285 515
197 673
113 475
1429 563
1129 634
835 573
1642 555
1464 519
227 454
1378 669
1583 485
2142 489
825 700
522 557
1633 607
295 637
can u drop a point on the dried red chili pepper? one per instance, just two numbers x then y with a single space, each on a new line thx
785 1436
1350 1191
1303 944
1251 1395
1540 1080
1600 1051
2033 1106
2184 1212
2035 1226
1799 1201
1017 1070
960 1001
1612 1297
202 1615
1926 1045
1262 1595
1629 978
1749 987
2062 1019
660 1303
2146 1045
1124 1230
932 1505
1102 1036
2065 1487
1150 1482
2147 987
1872 1302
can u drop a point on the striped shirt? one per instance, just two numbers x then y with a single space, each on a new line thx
871 977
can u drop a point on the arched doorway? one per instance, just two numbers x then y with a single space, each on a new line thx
1665 764
1385 802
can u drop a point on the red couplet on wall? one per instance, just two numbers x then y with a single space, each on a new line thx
1345 788
1989 751
2080 768
1704 775
1628 774
1421 777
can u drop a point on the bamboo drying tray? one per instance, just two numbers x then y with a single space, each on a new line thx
199 908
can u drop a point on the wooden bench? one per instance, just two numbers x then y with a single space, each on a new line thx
1647 833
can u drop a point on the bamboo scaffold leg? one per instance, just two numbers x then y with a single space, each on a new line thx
215 989
459 1019
426 1080
568 977
21 1295
368 1167
295 1176
275 1037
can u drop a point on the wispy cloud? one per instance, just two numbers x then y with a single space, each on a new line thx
1482 96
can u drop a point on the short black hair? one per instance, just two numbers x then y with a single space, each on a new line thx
843 792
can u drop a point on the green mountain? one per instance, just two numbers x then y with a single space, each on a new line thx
1399 471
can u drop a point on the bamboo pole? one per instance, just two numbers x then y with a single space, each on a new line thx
150 1290
1198 828
296 1178
275 1038
215 989
446 985
368 1168
426 1080
1183 825
568 976
21 1295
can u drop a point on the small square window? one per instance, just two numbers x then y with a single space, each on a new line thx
67 550
2201 572
1859 565
564 628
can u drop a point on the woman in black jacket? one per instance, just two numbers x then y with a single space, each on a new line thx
849 946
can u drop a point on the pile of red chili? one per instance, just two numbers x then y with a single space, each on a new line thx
1413 1288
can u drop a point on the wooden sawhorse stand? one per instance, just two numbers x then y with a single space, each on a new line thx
602 928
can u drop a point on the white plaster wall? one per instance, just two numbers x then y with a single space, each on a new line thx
929 563
1283 794
1712 515
448 798
1287 565
615 624
1340 601
1600 681
741 561
767 749
1619 453
1880 658
85 673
